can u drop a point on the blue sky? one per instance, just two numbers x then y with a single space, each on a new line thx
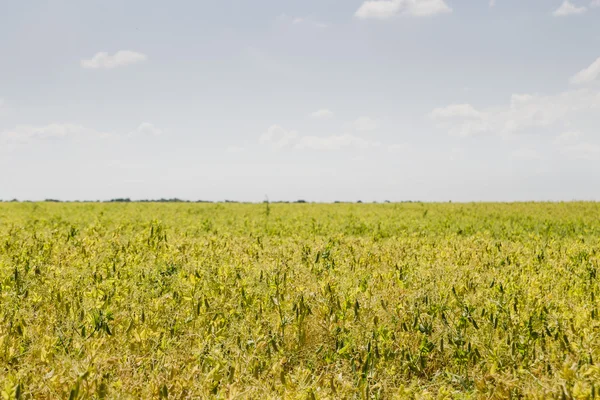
321 100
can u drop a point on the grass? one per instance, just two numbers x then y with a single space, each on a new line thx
299 301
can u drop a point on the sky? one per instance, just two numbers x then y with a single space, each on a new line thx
321 100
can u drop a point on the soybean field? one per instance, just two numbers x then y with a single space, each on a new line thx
299 301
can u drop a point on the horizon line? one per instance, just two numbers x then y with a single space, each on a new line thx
299 201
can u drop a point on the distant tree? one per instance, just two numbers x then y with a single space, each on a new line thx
301 201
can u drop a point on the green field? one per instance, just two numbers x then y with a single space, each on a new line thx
299 301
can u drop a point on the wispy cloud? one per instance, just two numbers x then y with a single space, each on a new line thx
24 134
567 138
278 137
582 151
335 142
567 8
588 74
524 113
570 145
322 113
527 112
365 124
121 58
309 21
455 110
301 21
28 134
146 129
384 9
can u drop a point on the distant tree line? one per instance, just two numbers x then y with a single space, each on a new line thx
176 200
162 200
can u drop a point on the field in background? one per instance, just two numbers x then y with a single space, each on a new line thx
305 301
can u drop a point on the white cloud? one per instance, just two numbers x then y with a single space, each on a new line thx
424 8
309 21
567 137
306 21
524 113
460 119
322 113
568 8
383 9
121 58
569 144
526 154
595 3
456 153
146 129
278 137
365 124
455 110
588 74
27 133
582 151
335 142
492 3
467 128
